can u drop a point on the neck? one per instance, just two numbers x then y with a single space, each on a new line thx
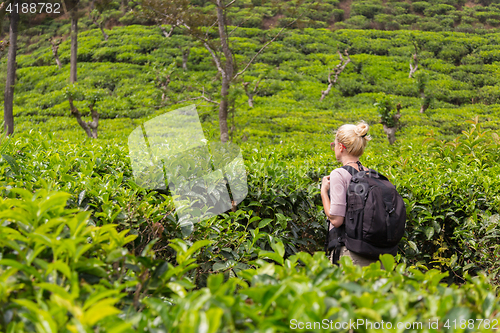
350 160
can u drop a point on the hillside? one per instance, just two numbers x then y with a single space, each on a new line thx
83 248
462 70
436 15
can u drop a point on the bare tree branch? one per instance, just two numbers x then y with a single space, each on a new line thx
338 69
164 31
210 28
251 94
200 97
55 48
413 62
229 4
239 26
208 99
216 59
83 124
93 18
262 49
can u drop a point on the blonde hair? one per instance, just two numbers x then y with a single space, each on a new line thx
354 137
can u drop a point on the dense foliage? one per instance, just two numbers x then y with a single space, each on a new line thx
84 249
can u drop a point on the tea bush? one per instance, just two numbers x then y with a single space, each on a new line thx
221 275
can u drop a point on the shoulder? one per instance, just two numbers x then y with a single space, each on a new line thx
340 173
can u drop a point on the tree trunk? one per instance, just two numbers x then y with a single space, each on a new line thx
91 127
124 6
248 93
185 56
227 76
95 121
103 33
326 92
224 135
250 101
425 104
391 133
55 48
11 75
74 45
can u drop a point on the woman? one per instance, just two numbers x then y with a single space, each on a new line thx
349 145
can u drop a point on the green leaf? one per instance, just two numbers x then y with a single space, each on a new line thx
388 262
61 267
271 255
54 200
95 297
370 314
223 265
458 313
45 320
264 222
214 282
12 163
54 288
177 288
279 248
116 254
100 310
214 316
196 246
429 232
488 305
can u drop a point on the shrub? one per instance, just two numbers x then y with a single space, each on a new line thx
420 6
366 9
61 286
440 9
493 22
338 14
407 18
489 95
349 86
430 26
464 27
105 54
447 23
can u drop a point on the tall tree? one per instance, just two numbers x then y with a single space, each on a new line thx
200 25
71 6
90 127
8 115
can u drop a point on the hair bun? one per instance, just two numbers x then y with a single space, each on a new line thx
362 129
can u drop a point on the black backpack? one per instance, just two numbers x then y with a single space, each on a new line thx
375 217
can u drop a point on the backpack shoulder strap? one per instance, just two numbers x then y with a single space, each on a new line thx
381 176
350 169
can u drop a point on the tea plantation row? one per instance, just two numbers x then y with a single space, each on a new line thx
110 255
85 249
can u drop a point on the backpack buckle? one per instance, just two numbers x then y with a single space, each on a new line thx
392 210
